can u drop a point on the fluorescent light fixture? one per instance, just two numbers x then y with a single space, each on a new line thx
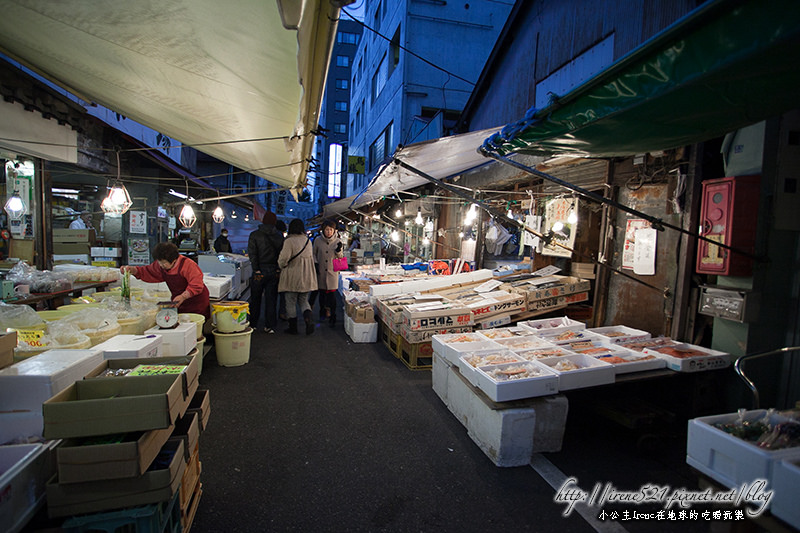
173 192
65 191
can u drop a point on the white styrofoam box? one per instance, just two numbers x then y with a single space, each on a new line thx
523 343
24 471
618 334
552 325
467 362
440 373
653 342
634 362
728 459
491 382
596 349
503 333
493 322
507 434
590 373
218 285
131 346
713 359
19 426
786 487
72 258
26 385
105 251
177 341
452 345
359 332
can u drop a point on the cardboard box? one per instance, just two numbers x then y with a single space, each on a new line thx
176 341
71 248
114 405
187 428
436 315
73 235
426 335
154 486
106 251
201 405
131 346
80 462
189 377
363 314
494 321
7 344
26 385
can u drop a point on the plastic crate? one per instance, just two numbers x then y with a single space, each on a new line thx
154 518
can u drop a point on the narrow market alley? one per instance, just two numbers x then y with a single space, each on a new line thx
317 433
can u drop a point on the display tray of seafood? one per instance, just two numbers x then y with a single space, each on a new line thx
468 362
503 333
653 342
567 337
684 357
618 334
553 325
523 343
580 371
627 361
451 346
516 381
543 353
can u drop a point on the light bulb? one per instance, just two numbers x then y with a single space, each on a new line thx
573 217
426 241
395 236
15 207
117 195
398 213
407 222
460 234
218 215
187 216
118 200
558 226
510 214
419 220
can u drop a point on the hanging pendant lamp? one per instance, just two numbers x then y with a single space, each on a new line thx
118 200
218 215
15 207
187 216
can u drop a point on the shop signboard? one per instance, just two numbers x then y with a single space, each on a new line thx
138 222
139 251
559 225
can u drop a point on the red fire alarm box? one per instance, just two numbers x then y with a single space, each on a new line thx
728 215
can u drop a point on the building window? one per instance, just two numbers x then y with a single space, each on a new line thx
394 51
340 106
342 84
377 22
339 127
347 38
334 171
380 149
357 127
379 79
342 61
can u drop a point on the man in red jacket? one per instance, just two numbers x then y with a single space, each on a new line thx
182 275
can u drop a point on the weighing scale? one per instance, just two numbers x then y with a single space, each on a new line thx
167 316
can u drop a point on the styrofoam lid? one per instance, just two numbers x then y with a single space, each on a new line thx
52 362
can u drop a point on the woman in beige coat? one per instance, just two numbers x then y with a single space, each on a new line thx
326 247
298 276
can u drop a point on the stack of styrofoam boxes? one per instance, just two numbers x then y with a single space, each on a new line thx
359 317
176 341
25 468
551 292
107 256
131 347
72 245
491 307
429 316
735 462
26 385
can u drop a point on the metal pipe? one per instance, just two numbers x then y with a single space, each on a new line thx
738 366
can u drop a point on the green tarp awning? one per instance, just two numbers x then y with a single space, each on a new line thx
725 65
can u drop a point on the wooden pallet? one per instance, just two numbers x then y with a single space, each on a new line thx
417 356
187 515
390 339
190 479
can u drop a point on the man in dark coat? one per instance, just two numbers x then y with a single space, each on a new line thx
263 248
222 244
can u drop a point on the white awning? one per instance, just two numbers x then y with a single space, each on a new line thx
200 71
440 158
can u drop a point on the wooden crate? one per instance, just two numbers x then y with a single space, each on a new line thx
190 478
390 339
417 356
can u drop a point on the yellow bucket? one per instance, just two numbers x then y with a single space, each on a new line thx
131 326
198 319
102 334
78 307
230 317
233 349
